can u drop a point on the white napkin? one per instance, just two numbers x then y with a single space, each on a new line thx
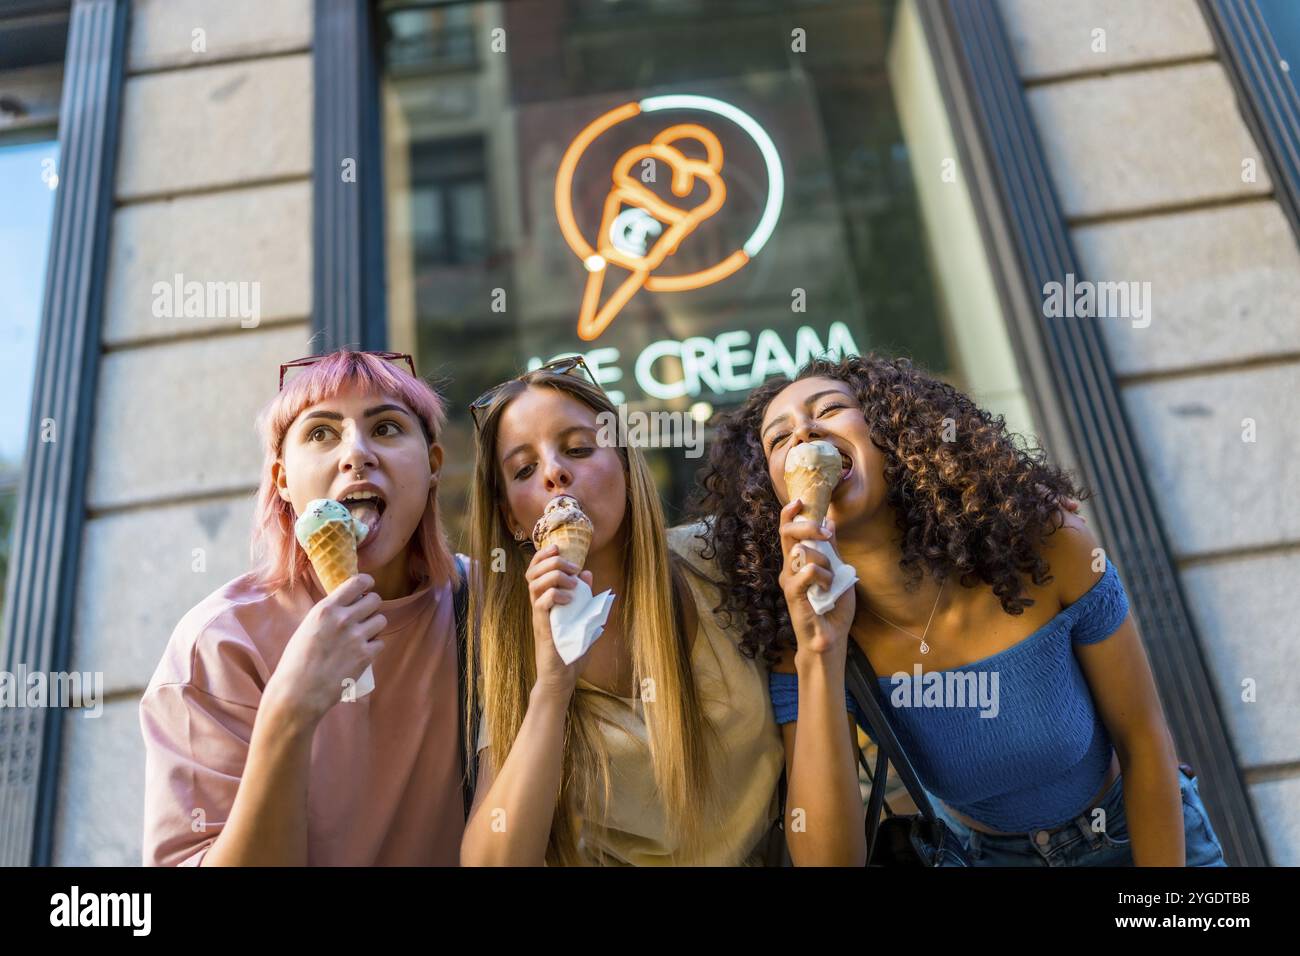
844 577
576 626
364 685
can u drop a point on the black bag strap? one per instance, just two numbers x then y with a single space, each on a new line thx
857 673
460 602
877 800
778 851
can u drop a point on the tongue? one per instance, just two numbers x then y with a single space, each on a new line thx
367 512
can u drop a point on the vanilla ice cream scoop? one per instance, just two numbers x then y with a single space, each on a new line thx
812 470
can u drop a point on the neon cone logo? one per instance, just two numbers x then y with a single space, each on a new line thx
639 229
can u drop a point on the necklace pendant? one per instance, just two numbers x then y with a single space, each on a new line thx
925 648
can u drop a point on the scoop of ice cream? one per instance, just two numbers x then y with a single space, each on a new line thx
815 456
320 511
560 510
812 470
562 503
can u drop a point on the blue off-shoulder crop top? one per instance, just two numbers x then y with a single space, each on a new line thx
1043 752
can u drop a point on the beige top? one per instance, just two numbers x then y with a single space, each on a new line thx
750 755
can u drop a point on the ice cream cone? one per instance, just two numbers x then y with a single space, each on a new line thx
564 524
573 540
330 535
812 470
333 553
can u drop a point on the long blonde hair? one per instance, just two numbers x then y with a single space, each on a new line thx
500 611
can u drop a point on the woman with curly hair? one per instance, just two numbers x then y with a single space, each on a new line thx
970 564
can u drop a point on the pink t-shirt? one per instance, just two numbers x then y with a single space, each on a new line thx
385 779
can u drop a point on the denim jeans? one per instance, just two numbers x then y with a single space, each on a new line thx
1076 844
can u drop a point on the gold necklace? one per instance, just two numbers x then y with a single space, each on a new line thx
925 648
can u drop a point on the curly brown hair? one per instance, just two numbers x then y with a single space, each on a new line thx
980 505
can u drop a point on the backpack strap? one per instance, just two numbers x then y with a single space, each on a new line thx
460 602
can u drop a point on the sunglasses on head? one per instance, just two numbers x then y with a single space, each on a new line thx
560 366
393 358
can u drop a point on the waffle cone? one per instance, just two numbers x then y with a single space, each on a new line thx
810 485
573 540
333 553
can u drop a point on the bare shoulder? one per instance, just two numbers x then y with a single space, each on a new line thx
1073 554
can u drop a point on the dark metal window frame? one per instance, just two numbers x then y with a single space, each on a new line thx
1065 370
49 521
1266 96
348 273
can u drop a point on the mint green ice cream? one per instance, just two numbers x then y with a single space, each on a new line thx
323 510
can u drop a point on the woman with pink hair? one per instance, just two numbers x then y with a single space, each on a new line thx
259 750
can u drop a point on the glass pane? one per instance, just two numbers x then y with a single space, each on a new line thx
28 180
426 223
419 39
469 213
812 232
1283 19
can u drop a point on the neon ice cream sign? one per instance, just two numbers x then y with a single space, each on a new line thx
731 362
639 230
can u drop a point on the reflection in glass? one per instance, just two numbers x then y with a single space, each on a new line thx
28 180
481 281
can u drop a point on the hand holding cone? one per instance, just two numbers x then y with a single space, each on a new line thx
577 625
330 535
812 471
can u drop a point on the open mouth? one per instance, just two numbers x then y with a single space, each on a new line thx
367 507
846 466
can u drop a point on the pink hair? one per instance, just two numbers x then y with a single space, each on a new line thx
278 560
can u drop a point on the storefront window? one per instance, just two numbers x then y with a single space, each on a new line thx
533 210
28 178
30 86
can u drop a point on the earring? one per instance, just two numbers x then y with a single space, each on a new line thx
519 534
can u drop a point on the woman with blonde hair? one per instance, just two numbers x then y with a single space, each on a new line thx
259 750
658 745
